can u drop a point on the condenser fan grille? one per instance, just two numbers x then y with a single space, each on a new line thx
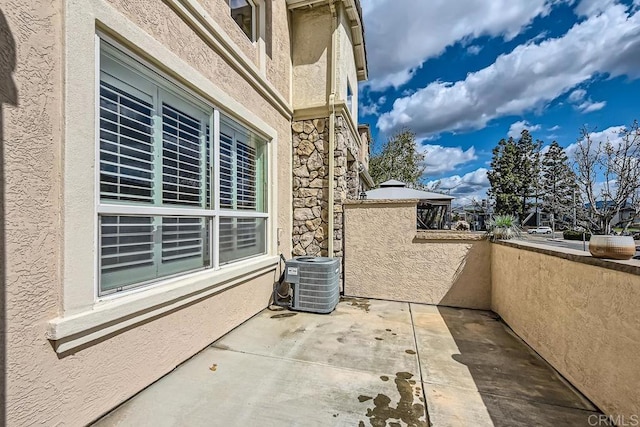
316 283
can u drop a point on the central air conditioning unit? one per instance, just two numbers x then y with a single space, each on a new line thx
315 282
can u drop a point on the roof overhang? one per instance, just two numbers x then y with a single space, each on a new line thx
354 13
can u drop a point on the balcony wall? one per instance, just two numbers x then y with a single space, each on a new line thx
386 258
579 313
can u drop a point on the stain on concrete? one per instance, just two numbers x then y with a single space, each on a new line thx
384 378
335 415
340 339
379 339
410 352
406 411
363 398
361 424
220 346
388 330
283 315
213 367
360 303
393 333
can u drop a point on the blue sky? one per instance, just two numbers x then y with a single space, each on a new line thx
462 74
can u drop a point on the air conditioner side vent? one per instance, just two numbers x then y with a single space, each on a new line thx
315 282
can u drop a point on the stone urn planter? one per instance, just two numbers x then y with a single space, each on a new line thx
612 247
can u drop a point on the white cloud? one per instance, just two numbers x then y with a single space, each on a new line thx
611 134
372 108
439 159
474 49
556 127
577 95
401 38
516 128
590 106
592 7
524 79
583 104
473 185
368 109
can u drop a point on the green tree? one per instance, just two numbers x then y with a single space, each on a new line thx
514 173
399 160
558 185
527 172
504 178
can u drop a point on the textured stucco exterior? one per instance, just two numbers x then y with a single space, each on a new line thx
311 56
385 258
346 63
583 319
43 387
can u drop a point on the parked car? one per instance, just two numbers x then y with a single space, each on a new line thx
540 230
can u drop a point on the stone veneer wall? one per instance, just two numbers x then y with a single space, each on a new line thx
311 184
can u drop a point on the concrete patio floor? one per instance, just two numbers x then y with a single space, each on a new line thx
368 363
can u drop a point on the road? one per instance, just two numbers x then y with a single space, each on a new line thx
557 240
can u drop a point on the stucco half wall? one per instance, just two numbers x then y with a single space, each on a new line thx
582 318
386 258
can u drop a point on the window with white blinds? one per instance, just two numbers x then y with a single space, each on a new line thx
158 213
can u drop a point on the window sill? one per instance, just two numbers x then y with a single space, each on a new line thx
111 315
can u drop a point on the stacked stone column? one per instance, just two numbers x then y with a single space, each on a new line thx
311 185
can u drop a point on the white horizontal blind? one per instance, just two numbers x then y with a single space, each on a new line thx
126 146
182 156
157 207
246 176
182 238
126 250
227 170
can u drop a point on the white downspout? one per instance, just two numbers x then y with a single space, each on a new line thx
332 126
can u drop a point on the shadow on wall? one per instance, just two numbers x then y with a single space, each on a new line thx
516 386
8 95
471 284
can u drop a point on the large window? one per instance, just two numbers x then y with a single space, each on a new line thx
182 187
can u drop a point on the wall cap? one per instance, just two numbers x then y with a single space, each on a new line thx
429 235
630 266
356 203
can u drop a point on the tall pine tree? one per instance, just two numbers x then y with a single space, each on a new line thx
527 172
503 177
515 168
558 184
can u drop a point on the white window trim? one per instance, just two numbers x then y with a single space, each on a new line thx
84 317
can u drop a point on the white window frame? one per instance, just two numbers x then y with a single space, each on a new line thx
255 14
83 315
139 70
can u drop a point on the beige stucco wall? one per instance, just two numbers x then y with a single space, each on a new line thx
346 63
386 258
583 319
311 56
44 388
